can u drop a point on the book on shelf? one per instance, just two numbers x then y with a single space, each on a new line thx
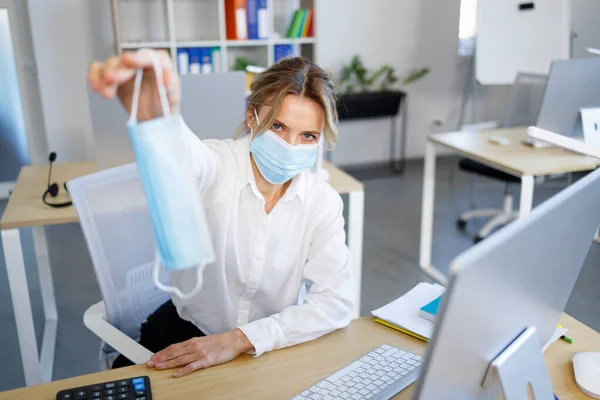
301 24
195 63
198 60
283 51
252 11
206 60
311 24
263 20
236 20
183 61
216 59
307 22
294 24
246 19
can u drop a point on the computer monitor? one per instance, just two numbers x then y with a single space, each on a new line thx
519 278
572 85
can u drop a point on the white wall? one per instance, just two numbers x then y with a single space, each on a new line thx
28 82
64 43
406 34
584 15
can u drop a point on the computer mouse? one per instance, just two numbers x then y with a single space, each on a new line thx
587 372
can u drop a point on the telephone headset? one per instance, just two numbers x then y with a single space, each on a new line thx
54 188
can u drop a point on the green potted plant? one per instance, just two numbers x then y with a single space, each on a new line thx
370 95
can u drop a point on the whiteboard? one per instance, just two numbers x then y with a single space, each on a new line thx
520 36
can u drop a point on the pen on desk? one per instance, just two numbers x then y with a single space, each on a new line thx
567 339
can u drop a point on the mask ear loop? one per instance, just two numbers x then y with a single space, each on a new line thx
173 289
164 102
160 86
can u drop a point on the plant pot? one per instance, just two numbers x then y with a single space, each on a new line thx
369 104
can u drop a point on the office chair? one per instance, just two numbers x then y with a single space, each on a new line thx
522 109
115 220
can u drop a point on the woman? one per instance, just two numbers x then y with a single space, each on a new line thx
282 274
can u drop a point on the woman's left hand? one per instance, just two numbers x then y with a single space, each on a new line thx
201 352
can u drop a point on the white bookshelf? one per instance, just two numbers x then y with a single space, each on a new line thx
173 24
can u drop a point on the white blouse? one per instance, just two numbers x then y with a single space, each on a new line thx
282 278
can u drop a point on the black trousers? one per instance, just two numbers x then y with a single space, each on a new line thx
162 329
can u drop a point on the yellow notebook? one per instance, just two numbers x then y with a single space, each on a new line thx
389 325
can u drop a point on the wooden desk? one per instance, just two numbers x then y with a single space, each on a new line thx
26 209
525 162
515 158
284 373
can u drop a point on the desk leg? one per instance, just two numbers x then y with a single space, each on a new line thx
17 280
49 302
356 210
427 216
527 184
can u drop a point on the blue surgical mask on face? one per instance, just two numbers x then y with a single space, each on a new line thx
178 218
277 160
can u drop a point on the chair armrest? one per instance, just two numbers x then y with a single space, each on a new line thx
480 126
94 319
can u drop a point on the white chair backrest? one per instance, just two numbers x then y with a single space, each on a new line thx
524 100
115 220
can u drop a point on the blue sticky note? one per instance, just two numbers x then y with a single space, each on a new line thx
429 310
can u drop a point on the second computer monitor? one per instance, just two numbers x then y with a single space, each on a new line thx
572 85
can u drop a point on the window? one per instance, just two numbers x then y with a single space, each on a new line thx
466 27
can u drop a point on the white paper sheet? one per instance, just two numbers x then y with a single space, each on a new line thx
404 312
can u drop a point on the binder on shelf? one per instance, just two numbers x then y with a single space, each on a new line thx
311 24
183 61
195 63
295 24
298 32
283 51
263 20
307 22
206 60
252 13
236 20
216 59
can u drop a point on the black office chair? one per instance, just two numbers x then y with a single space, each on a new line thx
523 107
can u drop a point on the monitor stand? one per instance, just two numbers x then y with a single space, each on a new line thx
518 366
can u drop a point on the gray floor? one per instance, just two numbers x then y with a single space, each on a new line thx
391 245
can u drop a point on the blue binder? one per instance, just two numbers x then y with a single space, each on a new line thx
252 11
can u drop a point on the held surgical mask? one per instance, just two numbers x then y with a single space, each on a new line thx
277 160
180 227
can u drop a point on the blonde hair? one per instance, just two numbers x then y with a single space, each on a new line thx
297 76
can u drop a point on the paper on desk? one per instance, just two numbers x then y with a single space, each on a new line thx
404 312
555 336
141 293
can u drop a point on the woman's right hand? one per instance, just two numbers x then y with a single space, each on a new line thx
116 75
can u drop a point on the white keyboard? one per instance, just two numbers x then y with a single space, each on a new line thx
379 375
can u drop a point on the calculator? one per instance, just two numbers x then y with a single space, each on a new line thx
126 389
